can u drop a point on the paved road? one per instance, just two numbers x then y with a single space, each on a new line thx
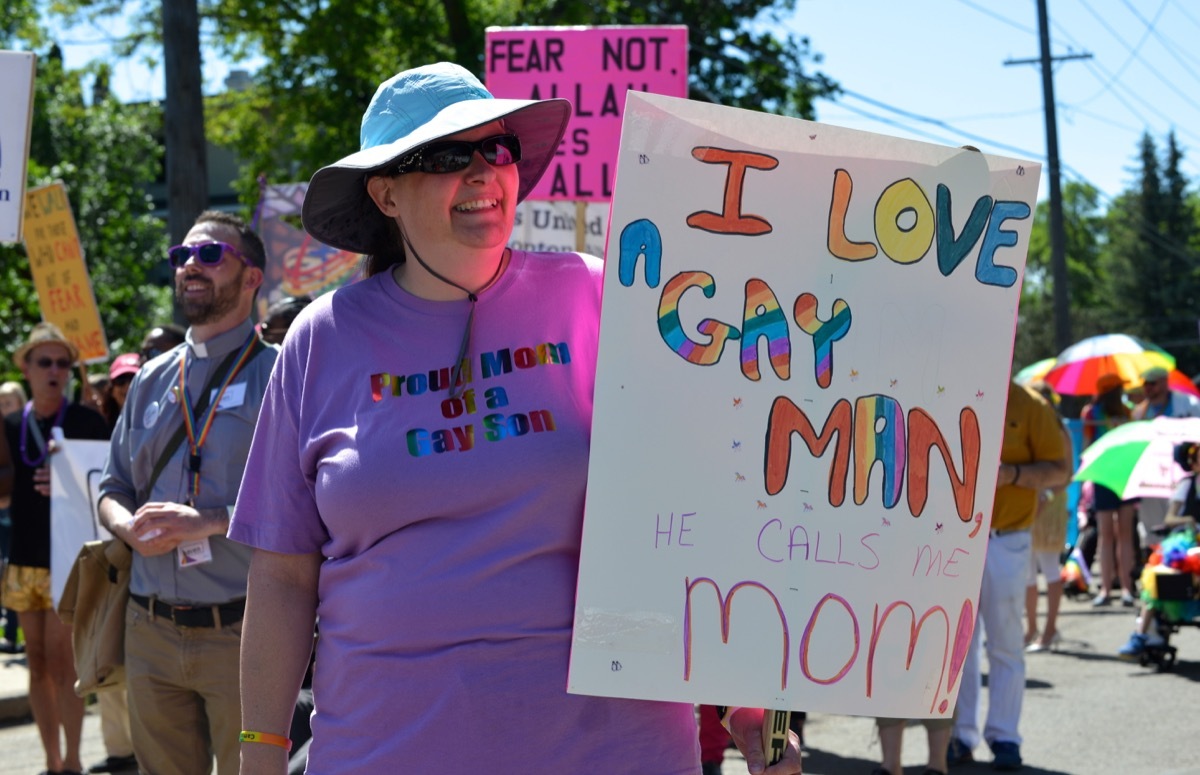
1085 712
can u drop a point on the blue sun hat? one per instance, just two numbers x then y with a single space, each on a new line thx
409 110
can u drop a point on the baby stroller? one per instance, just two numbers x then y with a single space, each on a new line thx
1171 593
1180 590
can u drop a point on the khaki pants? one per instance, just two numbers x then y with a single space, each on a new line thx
184 706
114 722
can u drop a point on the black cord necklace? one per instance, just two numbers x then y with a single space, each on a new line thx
456 387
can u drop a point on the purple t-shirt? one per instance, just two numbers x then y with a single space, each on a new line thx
450 527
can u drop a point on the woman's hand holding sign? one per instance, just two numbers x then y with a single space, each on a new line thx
746 728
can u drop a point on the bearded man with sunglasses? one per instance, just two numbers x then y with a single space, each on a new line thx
176 461
45 359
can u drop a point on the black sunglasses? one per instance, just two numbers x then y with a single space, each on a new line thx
206 253
454 155
45 363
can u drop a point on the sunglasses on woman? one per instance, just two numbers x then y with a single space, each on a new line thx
205 253
455 155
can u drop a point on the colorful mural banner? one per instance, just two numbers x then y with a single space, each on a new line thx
593 67
16 95
60 275
297 264
803 367
75 469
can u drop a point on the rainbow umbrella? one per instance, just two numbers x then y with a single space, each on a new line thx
1079 366
1034 371
1137 459
1177 380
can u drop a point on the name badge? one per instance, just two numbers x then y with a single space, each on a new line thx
235 396
194 553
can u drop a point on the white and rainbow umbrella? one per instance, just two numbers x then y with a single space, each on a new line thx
1079 366
1137 459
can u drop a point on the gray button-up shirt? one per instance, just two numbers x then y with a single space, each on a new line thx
150 418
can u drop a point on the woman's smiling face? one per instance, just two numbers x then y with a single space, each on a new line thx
472 208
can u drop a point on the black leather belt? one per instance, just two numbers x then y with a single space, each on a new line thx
1006 532
194 615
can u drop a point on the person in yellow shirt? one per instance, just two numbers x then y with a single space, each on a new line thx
1033 457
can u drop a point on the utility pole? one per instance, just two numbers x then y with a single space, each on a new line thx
1058 237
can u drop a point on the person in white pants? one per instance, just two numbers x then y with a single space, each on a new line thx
1033 457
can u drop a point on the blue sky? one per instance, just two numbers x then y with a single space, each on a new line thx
934 70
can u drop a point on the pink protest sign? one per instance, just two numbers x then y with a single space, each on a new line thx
593 67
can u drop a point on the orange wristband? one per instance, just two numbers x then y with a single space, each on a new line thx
265 737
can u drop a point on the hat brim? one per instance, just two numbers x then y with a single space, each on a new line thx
337 209
123 369
20 353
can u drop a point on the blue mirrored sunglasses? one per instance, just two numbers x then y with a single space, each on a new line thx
206 253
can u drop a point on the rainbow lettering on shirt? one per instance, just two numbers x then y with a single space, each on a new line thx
494 425
491 364
384 385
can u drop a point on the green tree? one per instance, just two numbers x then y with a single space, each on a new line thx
1082 222
305 106
104 153
1150 257
19 24
324 59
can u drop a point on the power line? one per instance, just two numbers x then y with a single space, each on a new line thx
1133 50
1135 55
1111 84
938 123
1144 228
989 12
910 122
1182 8
959 134
1153 29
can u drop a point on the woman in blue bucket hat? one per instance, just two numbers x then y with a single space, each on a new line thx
416 481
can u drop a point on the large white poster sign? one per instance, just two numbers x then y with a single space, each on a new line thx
75 470
16 117
804 357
